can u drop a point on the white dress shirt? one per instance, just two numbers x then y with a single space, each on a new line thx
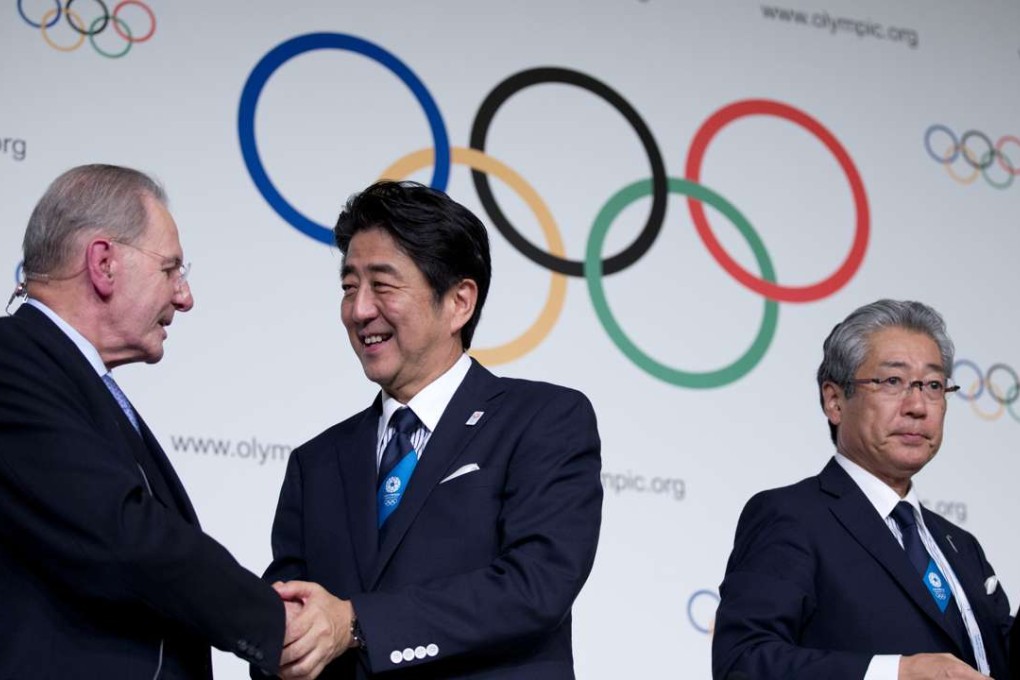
428 405
79 340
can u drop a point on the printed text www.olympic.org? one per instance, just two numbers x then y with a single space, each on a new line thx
250 449
630 482
863 28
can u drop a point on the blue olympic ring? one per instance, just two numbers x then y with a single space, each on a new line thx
980 379
51 24
690 610
283 53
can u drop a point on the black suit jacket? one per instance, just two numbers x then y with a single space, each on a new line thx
94 570
817 585
477 574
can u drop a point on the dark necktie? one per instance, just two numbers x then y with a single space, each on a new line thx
903 513
398 462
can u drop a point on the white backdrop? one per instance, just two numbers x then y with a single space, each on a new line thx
262 363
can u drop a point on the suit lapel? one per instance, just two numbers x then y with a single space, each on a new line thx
857 515
141 452
167 485
971 582
478 392
356 460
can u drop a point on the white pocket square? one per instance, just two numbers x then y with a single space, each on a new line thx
991 583
462 470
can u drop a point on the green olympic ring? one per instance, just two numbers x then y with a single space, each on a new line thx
593 275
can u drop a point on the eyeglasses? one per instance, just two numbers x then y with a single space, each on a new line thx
896 386
171 266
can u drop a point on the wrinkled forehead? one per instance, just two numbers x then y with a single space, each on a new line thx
904 349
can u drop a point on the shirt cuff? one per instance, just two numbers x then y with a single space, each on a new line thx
884 667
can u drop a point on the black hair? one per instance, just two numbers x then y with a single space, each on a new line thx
446 241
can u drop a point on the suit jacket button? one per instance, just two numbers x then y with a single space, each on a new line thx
242 645
408 654
419 652
432 649
396 656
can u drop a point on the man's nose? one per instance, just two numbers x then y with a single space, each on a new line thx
183 300
363 305
914 401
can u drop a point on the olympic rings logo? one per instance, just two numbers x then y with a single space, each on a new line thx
1000 383
983 158
594 268
701 607
103 20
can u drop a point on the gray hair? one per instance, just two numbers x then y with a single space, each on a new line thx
847 345
88 198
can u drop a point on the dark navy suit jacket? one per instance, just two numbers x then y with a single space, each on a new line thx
817 584
95 571
476 575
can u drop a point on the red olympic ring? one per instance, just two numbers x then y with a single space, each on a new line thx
1002 156
774 291
146 8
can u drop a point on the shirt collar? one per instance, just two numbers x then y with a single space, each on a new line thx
881 496
84 346
431 401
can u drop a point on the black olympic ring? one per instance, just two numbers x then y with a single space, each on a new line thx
91 31
1014 391
989 155
660 192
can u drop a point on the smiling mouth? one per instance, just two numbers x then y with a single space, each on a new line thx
375 339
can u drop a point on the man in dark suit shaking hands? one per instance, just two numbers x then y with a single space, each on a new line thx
452 523
844 575
104 570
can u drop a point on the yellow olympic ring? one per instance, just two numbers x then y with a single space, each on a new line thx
961 180
42 26
981 414
482 162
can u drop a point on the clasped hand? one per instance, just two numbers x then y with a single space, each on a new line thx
318 629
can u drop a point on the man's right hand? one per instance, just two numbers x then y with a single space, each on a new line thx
936 667
318 629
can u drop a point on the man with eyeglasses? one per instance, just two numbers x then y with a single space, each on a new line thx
104 570
844 575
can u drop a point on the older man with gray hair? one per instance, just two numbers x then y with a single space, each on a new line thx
104 570
845 575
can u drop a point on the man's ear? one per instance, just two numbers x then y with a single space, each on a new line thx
833 398
101 266
462 299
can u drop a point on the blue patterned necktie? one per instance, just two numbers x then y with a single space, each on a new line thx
122 401
398 462
925 565
125 406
